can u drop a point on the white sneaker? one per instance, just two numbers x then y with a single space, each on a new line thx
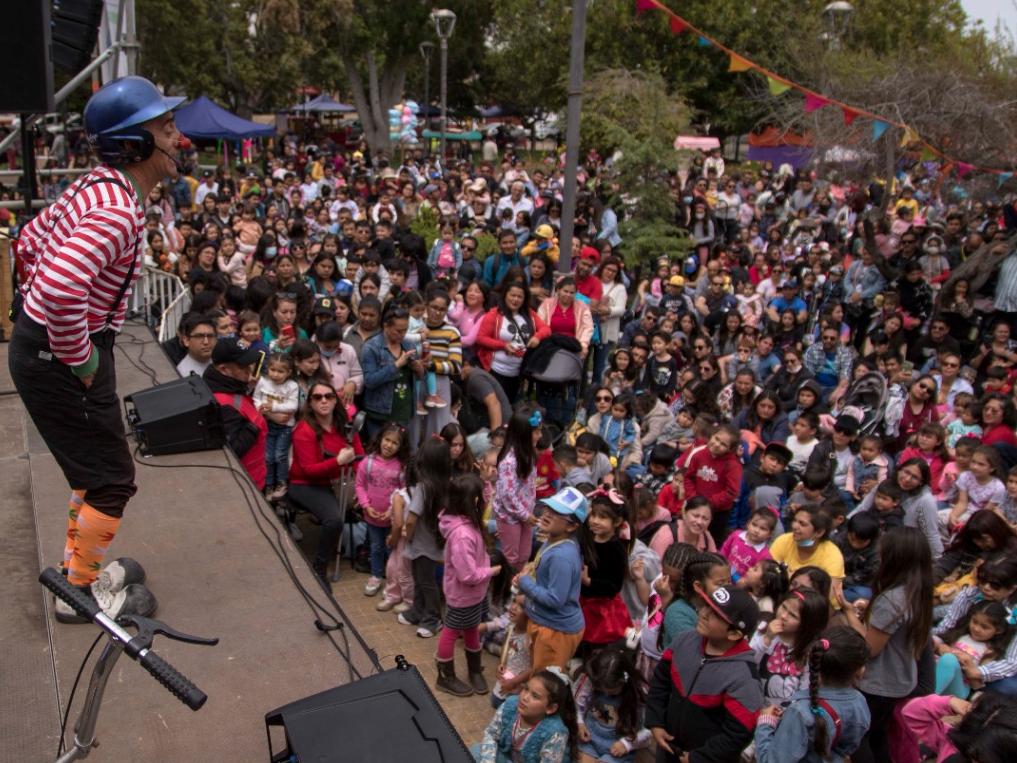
401 607
373 586
423 632
386 605
403 621
133 599
117 575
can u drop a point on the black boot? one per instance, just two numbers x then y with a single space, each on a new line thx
476 671
321 572
448 682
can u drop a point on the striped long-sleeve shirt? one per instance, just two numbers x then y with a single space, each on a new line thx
77 253
446 349
993 670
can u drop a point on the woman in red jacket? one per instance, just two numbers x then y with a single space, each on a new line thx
505 332
321 451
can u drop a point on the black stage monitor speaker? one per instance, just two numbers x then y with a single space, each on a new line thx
25 58
178 417
392 716
75 31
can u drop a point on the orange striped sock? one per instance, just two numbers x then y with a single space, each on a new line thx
73 507
95 532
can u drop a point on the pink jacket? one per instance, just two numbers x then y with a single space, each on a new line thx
377 479
924 718
581 310
467 565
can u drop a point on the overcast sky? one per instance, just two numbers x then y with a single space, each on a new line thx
991 10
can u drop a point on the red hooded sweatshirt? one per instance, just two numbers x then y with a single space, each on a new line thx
718 480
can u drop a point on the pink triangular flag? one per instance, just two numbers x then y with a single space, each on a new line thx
645 5
963 168
814 102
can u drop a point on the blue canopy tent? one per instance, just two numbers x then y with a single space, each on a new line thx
202 119
323 104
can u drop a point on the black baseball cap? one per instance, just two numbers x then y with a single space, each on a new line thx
779 450
735 607
324 306
231 349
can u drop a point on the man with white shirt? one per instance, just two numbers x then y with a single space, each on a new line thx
517 201
208 185
199 339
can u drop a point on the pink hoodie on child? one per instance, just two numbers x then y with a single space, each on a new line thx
377 479
467 565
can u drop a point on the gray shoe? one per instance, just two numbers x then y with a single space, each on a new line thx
117 575
133 599
448 682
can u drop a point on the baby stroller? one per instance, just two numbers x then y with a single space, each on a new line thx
555 369
868 394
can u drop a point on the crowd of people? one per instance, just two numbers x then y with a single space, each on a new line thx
756 499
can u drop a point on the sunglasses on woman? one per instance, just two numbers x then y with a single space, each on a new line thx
320 396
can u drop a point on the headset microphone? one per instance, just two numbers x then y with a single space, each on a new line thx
183 144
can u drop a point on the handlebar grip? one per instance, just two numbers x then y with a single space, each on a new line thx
84 605
178 684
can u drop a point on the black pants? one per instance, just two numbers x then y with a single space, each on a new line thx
82 427
510 384
321 502
875 746
718 526
426 609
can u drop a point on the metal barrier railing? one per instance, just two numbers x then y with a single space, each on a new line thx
161 299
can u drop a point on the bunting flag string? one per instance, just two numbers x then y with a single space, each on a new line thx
778 85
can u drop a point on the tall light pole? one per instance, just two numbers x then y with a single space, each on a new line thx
426 48
444 23
575 106
837 16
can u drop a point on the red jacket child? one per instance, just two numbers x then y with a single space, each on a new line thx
714 471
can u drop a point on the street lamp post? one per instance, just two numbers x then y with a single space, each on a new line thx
837 16
444 23
426 48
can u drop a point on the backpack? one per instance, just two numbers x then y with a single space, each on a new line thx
647 533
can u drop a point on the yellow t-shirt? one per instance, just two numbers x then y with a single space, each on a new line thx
826 556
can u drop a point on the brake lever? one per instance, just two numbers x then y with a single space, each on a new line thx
148 628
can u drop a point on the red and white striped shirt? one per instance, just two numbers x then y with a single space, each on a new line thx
77 253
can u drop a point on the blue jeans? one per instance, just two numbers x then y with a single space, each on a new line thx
855 592
379 551
1007 686
277 453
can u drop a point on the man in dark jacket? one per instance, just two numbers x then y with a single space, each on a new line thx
235 364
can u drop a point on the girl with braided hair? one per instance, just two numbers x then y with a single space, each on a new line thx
826 720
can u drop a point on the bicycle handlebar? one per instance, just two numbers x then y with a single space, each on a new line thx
171 678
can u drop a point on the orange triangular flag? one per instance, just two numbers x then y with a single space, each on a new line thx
738 64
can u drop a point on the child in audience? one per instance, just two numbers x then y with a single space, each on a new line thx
685 431
767 581
591 454
986 730
516 490
514 667
962 452
869 467
770 473
467 573
606 565
701 708
552 580
398 594
825 720
249 329
702 575
535 726
1008 508
930 446
621 432
661 368
566 461
982 636
978 487
803 440
715 473
608 693
379 475
966 415
782 648
661 595
660 469
858 543
886 505
276 396
653 522
745 548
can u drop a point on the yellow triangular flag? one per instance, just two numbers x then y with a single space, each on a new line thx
776 86
909 136
738 64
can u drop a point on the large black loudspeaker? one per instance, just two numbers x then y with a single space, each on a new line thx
392 716
178 417
24 58
75 30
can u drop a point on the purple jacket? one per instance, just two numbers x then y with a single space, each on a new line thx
467 565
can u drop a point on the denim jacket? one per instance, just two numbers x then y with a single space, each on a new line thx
380 374
790 740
